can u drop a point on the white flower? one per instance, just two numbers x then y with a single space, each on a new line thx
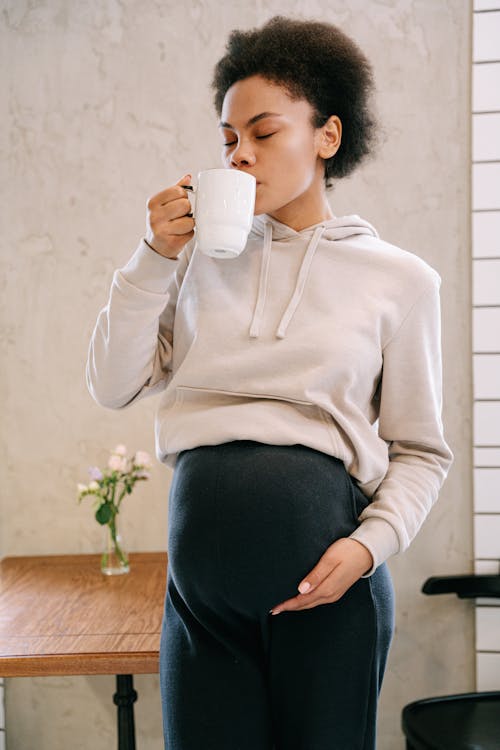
117 463
120 450
143 459
93 486
81 488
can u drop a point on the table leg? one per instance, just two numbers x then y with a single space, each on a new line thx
124 698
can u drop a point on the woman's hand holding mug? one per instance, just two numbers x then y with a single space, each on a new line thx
170 224
221 219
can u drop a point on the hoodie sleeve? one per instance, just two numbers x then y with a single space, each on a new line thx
130 351
410 422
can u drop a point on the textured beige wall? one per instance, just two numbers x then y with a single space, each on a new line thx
105 103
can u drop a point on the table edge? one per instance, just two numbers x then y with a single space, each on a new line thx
73 664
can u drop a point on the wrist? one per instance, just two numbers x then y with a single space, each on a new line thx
366 557
170 257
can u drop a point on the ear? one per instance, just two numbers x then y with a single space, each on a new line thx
329 137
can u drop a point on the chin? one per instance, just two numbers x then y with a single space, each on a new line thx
260 207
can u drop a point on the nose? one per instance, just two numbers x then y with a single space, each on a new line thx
242 154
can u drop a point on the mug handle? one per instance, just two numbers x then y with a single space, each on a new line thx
192 193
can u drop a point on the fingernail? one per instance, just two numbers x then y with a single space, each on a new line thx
304 586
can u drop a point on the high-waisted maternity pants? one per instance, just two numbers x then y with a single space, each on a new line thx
247 522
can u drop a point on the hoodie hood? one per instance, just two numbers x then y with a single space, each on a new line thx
265 226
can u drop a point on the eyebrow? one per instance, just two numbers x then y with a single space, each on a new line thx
251 121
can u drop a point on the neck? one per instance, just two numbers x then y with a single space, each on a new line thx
305 211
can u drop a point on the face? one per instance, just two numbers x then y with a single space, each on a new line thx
282 150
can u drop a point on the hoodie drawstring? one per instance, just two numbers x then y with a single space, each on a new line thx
299 286
264 274
301 282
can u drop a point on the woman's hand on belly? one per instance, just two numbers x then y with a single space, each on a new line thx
343 563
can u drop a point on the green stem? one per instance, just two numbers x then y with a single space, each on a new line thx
119 552
113 493
124 492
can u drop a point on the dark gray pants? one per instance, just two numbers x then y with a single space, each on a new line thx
247 521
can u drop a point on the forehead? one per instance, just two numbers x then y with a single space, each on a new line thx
255 94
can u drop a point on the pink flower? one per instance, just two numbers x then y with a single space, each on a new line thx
117 463
142 459
120 450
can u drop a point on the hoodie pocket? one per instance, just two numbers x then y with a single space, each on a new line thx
321 421
199 414
244 394
338 447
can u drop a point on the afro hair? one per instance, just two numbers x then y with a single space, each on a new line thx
315 61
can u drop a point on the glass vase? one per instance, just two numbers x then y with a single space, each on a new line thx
114 560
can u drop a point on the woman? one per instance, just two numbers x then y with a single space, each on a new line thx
300 410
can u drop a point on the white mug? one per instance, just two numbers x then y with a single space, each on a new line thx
223 211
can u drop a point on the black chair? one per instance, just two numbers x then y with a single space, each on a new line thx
466 721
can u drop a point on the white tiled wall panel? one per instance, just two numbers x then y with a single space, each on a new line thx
486 5
487 491
487 427
485 178
486 33
486 457
486 282
486 136
485 186
487 568
487 671
488 629
486 87
486 369
487 535
486 234
486 329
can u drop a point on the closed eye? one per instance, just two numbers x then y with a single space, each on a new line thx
259 137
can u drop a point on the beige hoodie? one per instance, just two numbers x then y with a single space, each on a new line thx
329 337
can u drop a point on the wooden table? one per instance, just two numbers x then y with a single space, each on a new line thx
59 615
